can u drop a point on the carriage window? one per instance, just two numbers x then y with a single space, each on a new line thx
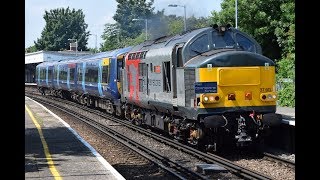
119 67
80 72
55 72
200 45
71 74
245 43
63 73
50 73
42 73
91 74
105 74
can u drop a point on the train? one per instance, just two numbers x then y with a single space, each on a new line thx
207 87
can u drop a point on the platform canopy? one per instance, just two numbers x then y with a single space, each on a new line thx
43 56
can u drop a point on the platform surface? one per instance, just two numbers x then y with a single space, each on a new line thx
288 115
55 151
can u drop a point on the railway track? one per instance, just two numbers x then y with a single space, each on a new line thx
278 159
208 158
176 169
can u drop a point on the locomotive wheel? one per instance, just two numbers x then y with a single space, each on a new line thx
196 135
110 109
119 112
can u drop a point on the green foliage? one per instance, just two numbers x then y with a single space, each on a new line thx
61 25
128 32
285 32
31 49
196 23
134 41
254 18
127 10
287 95
111 35
94 50
176 26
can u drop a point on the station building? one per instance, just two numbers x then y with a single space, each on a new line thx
35 58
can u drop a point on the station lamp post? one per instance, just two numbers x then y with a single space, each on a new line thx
236 13
146 22
76 41
185 16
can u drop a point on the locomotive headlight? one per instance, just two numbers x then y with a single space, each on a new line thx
210 98
268 96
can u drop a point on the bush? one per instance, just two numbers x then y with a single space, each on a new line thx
286 95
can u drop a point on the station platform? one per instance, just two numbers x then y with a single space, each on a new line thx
288 115
53 150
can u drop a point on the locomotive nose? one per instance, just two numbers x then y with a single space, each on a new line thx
236 58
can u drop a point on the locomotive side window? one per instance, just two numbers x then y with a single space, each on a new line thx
166 77
222 40
179 56
151 67
245 43
105 74
143 69
200 45
140 85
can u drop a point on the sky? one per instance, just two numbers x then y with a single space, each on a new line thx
99 12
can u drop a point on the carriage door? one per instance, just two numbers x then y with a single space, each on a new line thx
176 62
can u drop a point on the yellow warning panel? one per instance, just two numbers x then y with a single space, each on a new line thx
229 76
105 61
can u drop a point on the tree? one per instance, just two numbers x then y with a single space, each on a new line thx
61 25
31 49
196 23
111 35
285 32
126 31
127 10
254 17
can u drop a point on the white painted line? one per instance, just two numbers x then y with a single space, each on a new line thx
99 157
290 122
30 84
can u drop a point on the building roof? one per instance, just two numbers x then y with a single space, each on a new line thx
43 56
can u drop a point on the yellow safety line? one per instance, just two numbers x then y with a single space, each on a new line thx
52 168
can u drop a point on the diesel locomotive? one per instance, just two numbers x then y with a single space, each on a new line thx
207 87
